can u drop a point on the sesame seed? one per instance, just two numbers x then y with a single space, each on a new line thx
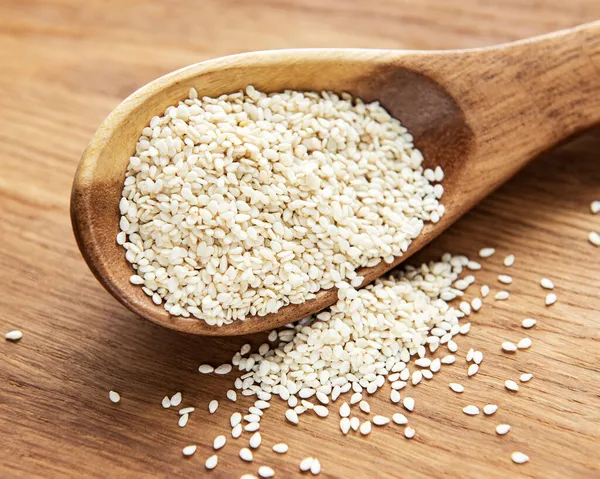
219 442
409 404
223 369
423 362
176 399
251 427
417 376
547 283
505 279
306 463
262 404
524 343
255 440
525 377
114 396
456 387
470 355
265 471
188 450
476 304
449 359
471 410
509 260
452 346
595 207
436 365
345 425
486 252
345 410
474 265
183 420
550 299
236 431
490 409
321 411
246 454
211 462
594 238
502 295
528 323
502 429
427 374
380 420
235 419
356 397
166 402
354 423
409 432
365 428
511 385
472 370
186 410
213 406
315 467
509 347
206 369
14 335
394 396
291 416
365 407
400 419
280 448
519 458
484 290
477 357
465 308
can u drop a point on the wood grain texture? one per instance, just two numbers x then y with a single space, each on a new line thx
65 66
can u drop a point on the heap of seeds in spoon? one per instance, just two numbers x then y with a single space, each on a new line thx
239 205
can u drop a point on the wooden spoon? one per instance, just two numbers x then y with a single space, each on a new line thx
481 114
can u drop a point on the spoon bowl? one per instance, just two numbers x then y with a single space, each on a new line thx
479 114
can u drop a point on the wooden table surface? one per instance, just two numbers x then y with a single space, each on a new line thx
64 64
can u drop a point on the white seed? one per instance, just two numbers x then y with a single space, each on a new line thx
471 410
399 418
354 423
380 420
476 304
502 295
550 299
477 357
235 419
449 359
511 385
427 374
232 395
345 425
246 454
486 252
490 409
356 397
474 265
484 290
457 388
519 458
345 410
365 428
280 448
409 432
547 283
219 442
594 238
502 429
211 462
176 399
291 416
473 368
251 427
183 420
470 355
465 307
186 410
252 417
395 396
255 440
188 450
465 328
166 402
526 377
528 323
114 396
423 362
14 335
452 346
315 467
260 404
213 406
306 463
206 369
595 207
409 404
236 431
223 369
436 365
505 279
509 260
524 343
321 411
365 407
265 471
509 347
416 377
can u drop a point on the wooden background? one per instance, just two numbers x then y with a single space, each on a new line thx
64 64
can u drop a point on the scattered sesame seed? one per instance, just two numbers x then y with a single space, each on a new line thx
595 207
306 463
183 420
176 399
476 304
427 374
471 410
280 448
246 454
456 387
409 432
594 238
465 308
251 427
260 404
505 279
206 369
315 467
188 450
356 397
365 428
525 377
484 290
490 409
213 406
502 295
235 419
509 347
291 416
219 442
255 440
409 404
477 357
436 365
186 410
524 343
519 457
528 323
166 402
345 425
550 299
511 385
473 368
236 431
211 462
321 411
502 429
380 420
449 359
114 396
394 396
547 283
486 252
345 410
232 395
14 335
265 471
223 369
354 423
452 346
400 419
423 362
470 355
509 260
474 265
416 377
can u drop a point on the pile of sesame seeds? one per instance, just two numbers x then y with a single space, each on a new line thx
339 356
239 205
